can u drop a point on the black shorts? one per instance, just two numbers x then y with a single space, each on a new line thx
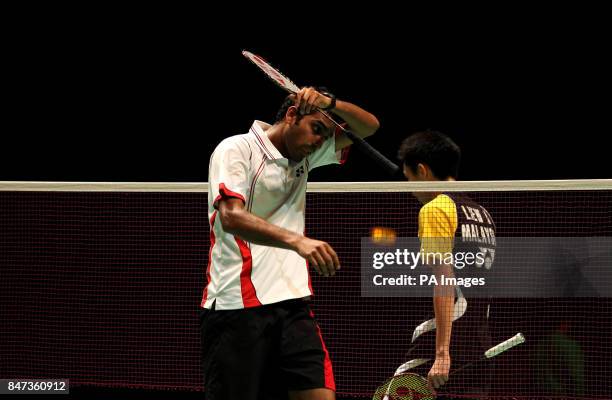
263 352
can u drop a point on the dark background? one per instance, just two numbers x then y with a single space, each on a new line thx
144 96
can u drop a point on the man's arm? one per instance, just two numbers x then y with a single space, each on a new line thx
359 121
437 226
443 302
238 221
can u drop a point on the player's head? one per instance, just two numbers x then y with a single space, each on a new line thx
302 133
429 156
290 102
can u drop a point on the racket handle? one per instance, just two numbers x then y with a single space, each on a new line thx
466 366
506 345
495 351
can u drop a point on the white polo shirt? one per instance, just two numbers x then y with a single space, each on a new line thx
242 274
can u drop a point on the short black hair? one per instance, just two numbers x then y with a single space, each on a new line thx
433 148
282 111
288 102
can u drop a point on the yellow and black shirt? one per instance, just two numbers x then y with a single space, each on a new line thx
454 223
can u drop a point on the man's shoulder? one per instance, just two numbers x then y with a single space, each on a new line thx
237 140
242 142
462 199
442 202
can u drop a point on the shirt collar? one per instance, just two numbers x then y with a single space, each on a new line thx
259 129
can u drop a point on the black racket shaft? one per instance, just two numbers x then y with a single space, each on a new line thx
367 149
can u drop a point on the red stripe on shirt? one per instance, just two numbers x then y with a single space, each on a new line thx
210 250
263 145
249 297
226 193
308 271
344 154
252 189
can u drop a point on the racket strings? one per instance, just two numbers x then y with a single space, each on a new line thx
404 387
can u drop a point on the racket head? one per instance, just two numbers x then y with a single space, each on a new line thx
406 386
272 73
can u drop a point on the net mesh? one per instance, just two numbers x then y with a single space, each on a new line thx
103 288
567 349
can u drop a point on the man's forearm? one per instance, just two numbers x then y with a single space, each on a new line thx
443 301
237 221
361 122
256 230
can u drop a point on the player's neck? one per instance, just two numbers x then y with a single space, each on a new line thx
426 197
275 134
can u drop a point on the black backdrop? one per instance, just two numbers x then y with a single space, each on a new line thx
140 97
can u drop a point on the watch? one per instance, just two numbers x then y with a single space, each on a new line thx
331 105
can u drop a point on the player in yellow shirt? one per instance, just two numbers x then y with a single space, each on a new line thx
449 223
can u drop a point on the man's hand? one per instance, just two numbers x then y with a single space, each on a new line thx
319 254
308 98
438 374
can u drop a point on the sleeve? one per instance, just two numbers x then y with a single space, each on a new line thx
229 171
324 155
342 154
437 225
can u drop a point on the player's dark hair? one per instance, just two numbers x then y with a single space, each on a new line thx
289 101
434 149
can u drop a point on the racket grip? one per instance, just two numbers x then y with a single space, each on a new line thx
370 151
506 345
